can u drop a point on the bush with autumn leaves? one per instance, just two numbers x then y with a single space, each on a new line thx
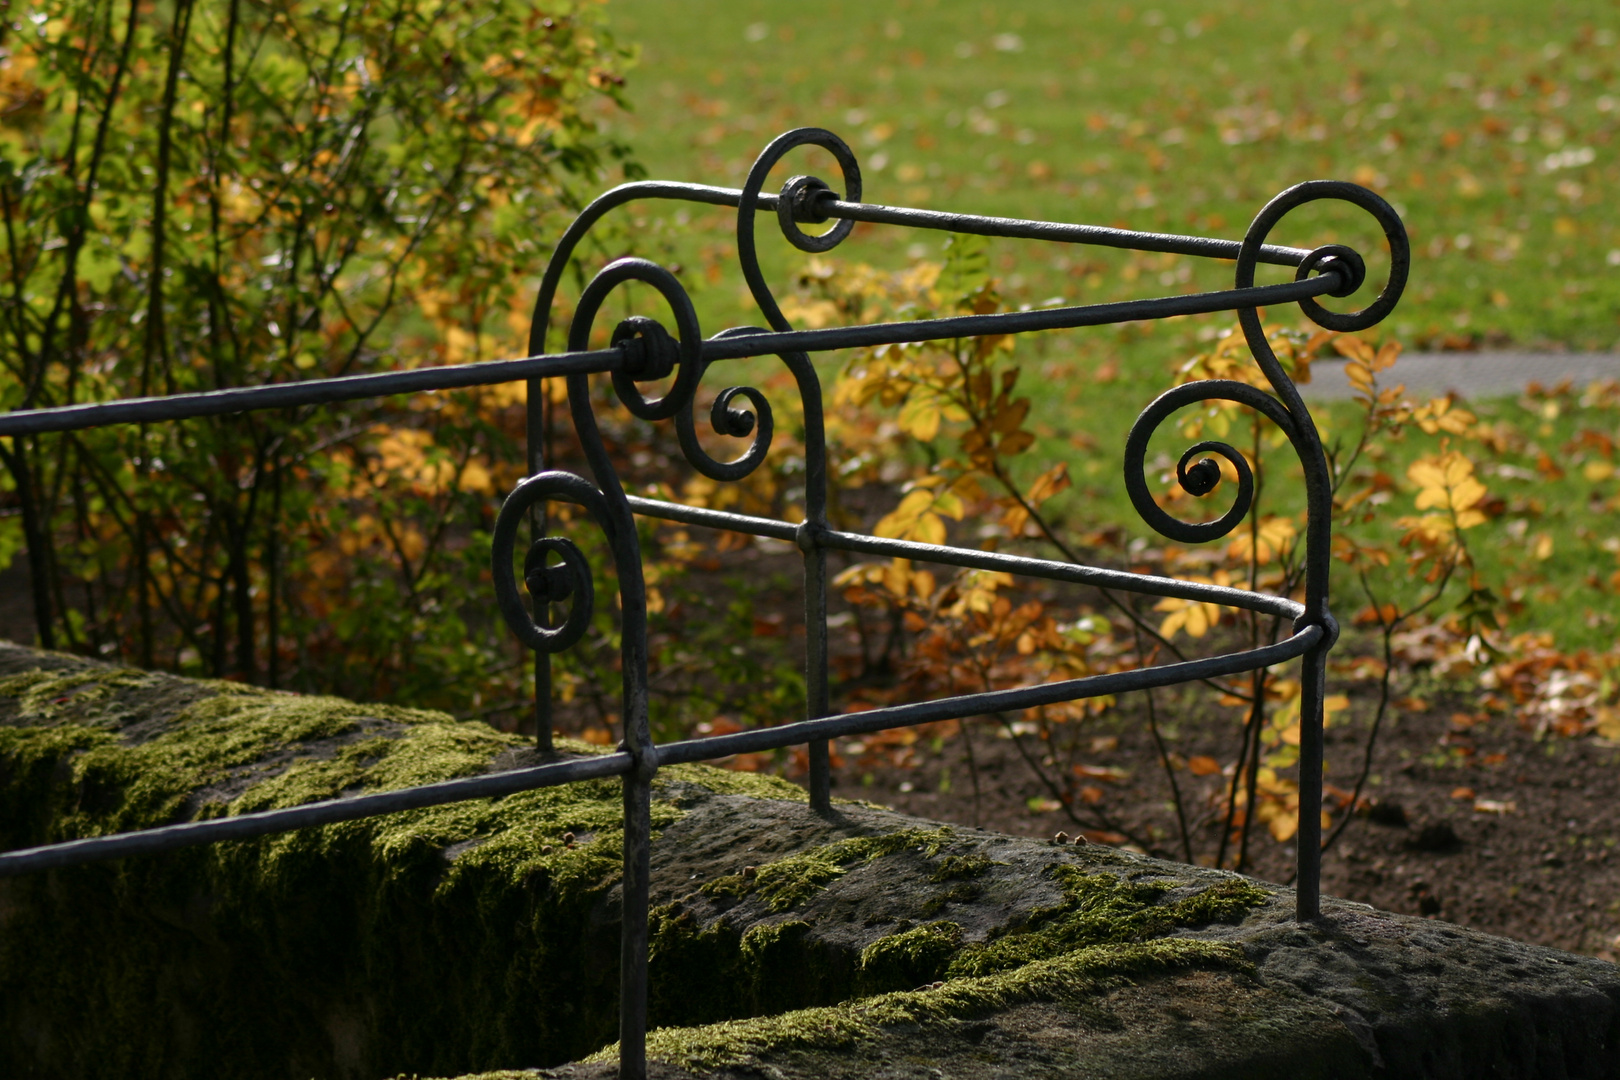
216 193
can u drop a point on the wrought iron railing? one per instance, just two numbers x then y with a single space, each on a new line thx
642 349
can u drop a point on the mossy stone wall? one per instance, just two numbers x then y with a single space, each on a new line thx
482 938
478 936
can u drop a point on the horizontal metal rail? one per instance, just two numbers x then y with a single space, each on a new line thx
240 399
309 815
1023 565
974 224
832 338
494 785
988 702
733 347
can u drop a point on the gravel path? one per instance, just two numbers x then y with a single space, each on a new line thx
1472 374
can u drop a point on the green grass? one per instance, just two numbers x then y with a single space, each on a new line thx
1185 118
1490 126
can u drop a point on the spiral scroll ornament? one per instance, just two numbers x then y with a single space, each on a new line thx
568 582
801 201
1198 476
726 418
1337 259
650 352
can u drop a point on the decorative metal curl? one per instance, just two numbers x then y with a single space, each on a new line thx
733 422
799 202
1202 476
571 581
1342 259
644 339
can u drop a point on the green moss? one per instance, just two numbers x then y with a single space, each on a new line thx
79 693
729 782
1067 979
319 915
707 973
1100 909
964 867
788 882
120 965
330 939
910 958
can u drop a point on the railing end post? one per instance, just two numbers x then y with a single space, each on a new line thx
821 777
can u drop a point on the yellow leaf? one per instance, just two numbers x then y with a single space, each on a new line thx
1595 471
1283 827
930 529
901 521
1427 499
1457 468
897 577
1172 622
1360 377
1353 348
1543 548
923 584
919 417
475 477
860 572
1190 615
1466 493
949 504
1447 482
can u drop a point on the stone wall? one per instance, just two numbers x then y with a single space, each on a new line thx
483 936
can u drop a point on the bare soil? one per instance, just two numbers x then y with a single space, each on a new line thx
1539 864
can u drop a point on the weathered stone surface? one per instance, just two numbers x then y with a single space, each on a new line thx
1359 993
480 937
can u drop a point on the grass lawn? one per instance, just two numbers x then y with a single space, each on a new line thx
1489 125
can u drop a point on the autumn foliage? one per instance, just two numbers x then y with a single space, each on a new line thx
219 193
